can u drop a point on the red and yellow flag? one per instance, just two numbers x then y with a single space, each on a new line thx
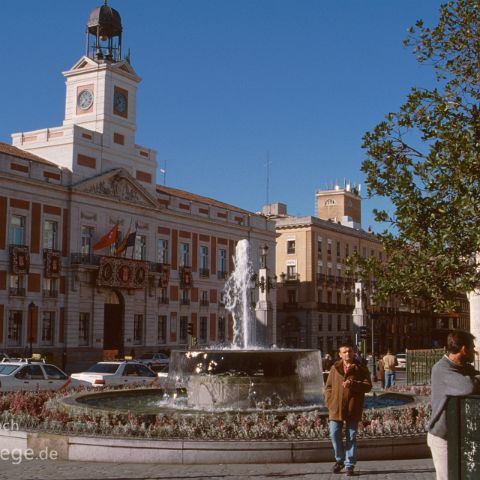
108 239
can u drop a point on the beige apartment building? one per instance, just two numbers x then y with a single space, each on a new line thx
63 189
315 297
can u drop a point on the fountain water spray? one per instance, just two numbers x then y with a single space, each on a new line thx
237 296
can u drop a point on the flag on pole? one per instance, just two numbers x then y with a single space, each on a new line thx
107 239
130 240
123 244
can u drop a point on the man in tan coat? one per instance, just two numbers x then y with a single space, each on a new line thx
345 390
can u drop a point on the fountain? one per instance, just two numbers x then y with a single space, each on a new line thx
247 376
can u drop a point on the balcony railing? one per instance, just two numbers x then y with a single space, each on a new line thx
222 275
157 267
184 301
50 294
163 300
292 277
204 272
85 259
290 305
204 303
16 292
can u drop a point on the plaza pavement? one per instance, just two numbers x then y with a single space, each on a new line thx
64 470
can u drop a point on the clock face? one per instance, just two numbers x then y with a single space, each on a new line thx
85 99
120 102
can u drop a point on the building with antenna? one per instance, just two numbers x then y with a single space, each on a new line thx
316 299
70 195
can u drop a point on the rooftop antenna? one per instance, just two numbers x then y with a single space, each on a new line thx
163 171
268 178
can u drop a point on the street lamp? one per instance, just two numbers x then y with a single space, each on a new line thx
31 312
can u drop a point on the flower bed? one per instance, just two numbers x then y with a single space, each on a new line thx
42 411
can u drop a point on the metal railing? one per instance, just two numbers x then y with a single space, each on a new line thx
163 300
204 272
16 292
221 275
463 426
420 363
50 293
204 303
85 259
184 301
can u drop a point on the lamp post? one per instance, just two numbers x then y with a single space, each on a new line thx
31 312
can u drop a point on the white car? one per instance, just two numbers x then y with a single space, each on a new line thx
401 361
154 359
116 373
26 375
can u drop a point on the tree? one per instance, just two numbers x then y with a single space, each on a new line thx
425 158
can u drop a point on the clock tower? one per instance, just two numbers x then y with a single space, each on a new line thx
101 86
98 131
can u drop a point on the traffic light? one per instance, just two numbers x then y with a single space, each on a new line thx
190 328
363 332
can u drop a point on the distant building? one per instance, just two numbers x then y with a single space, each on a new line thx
65 188
315 297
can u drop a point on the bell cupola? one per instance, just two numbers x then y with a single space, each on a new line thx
104 34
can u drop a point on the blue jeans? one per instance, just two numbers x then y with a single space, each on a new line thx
344 454
389 379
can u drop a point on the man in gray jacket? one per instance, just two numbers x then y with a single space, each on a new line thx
453 375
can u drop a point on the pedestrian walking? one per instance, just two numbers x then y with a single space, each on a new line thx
381 371
389 364
347 383
453 375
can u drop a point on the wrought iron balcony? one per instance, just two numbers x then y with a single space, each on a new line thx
163 300
204 303
16 292
290 305
85 259
184 301
222 275
50 293
204 272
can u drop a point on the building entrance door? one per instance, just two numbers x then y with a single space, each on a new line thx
113 327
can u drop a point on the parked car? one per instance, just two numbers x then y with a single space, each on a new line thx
116 373
26 375
154 359
402 361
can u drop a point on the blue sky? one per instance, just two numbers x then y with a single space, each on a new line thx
227 83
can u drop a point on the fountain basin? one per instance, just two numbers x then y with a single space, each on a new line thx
255 379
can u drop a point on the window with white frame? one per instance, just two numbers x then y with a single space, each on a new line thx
203 329
162 329
140 247
138 328
84 329
86 239
291 272
17 230
319 244
17 285
50 234
48 328
329 246
162 251
14 329
50 287
290 246
184 252
222 260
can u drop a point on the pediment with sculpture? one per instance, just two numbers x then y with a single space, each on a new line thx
119 187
